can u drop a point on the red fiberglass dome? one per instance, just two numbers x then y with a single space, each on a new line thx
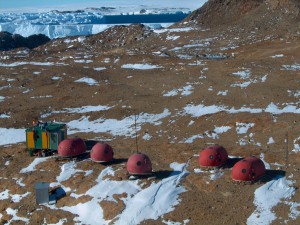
139 164
248 169
101 152
71 147
213 156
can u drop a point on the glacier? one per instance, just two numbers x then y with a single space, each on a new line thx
56 25
90 18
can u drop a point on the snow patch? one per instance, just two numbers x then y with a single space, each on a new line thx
244 74
296 145
293 67
31 166
277 56
99 68
140 66
124 127
200 110
172 37
271 141
83 109
262 157
83 61
222 129
30 63
140 204
13 213
174 30
156 200
192 138
268 196
147 136
224 93
12 136
242 128
89 81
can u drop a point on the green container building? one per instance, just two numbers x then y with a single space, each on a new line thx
45 136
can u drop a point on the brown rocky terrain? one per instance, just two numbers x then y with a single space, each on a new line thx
199 60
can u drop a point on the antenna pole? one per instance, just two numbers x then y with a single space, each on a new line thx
136 117
287 149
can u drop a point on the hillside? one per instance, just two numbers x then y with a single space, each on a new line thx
207 80
268 17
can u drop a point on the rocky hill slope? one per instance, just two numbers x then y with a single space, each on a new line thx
274 17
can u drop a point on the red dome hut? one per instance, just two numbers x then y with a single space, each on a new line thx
71 147
101 152
213 156
248 169
139 164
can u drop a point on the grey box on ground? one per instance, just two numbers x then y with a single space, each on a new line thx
42 192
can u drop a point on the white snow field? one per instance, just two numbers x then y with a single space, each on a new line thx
140 204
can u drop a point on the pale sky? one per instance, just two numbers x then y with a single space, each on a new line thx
40 3
7 6
21 6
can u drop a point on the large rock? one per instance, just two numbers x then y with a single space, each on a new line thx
36 40
19 40
120 35
6 41
10 41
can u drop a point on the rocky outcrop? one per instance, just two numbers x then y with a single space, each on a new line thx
6 41
10 41
120 35
36 40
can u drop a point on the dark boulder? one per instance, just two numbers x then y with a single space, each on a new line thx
6 41
10 41
19 40
36 40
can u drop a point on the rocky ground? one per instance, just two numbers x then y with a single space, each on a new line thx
252 76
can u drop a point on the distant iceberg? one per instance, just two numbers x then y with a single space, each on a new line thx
58 24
